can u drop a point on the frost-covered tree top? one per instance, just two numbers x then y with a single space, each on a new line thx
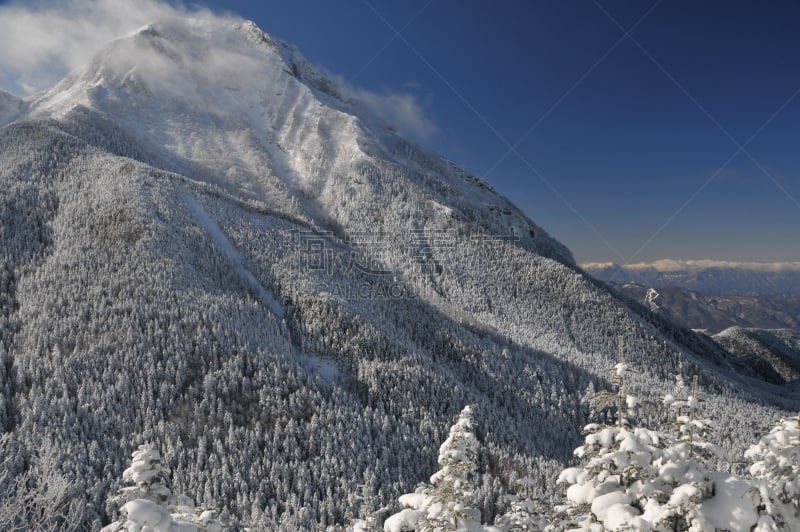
146 475
633 478
457 456
149 506
776 459
446 504
618 463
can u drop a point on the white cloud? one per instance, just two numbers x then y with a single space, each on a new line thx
668 265
673 265
401 110
41 41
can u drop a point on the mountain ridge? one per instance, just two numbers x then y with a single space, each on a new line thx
715 312
778 349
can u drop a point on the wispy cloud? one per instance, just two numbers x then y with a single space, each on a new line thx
401 110
41 41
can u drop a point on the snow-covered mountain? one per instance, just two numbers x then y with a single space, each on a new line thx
706 276
211 245
225 103
715 312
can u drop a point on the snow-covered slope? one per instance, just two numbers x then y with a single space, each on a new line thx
777 351
209 244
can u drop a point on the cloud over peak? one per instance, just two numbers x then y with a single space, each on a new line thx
44 40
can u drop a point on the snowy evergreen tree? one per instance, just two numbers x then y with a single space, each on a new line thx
776 460
147 477
148 505
692 433
610 490
684 470
639 479
371 518
775 467
526 512
445 504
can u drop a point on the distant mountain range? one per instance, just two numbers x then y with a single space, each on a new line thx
705 276
743 307
716 312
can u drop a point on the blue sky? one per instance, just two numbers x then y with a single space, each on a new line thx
624 148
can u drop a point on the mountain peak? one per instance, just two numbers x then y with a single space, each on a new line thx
198 59
221 101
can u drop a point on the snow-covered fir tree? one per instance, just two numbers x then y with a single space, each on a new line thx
526 512
371 519
640 479
684 477
149 505
694 492
445 504
776 459
610 490
775 466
